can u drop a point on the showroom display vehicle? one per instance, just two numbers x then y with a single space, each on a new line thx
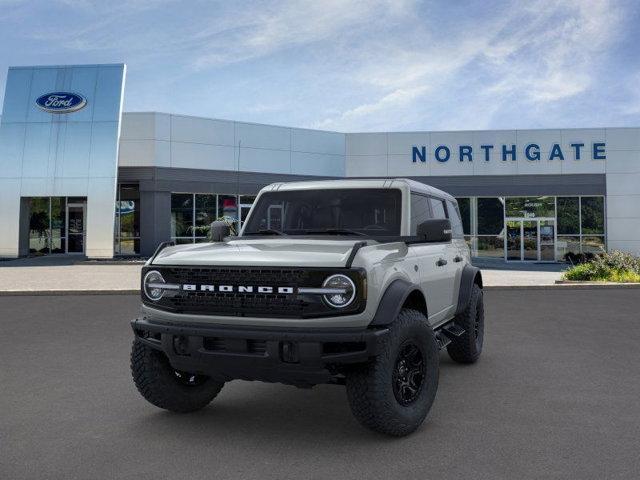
351 282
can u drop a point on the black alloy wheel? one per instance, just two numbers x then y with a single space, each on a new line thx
408 373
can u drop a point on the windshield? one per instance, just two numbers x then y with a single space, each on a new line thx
358 212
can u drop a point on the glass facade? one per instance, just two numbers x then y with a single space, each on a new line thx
57 225
193 213
541 228
529 207
127 227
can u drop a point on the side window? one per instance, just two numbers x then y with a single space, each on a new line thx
437 206
420 211
456 222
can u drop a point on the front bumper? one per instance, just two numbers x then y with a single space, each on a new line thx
302 358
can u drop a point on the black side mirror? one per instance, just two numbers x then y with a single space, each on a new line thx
435 230
219 230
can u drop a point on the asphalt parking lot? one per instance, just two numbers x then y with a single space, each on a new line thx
555 395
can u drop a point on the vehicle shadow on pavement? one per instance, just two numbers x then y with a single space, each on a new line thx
320 415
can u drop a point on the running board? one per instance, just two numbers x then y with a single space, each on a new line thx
447 334
442 340
452 330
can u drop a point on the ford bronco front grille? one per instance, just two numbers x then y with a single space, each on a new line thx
251 292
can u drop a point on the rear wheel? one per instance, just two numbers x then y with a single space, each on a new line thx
467 347
394 393
165 387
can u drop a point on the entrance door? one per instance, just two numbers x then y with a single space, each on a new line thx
75 227
547 240
530 240
513 240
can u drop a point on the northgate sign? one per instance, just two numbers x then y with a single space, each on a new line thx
531 152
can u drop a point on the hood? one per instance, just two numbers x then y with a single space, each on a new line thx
285 252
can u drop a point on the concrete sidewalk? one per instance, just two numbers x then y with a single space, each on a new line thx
498 273
65 274
68 274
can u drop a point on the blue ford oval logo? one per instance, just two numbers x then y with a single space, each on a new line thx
61 102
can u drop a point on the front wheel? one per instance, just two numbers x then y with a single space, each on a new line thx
165 387
394 393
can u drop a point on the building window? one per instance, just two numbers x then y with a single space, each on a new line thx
568 216
127 228
464 206
592 215
40 235
593 244
205 213
193 213
490 216
530 207
581 223
56 225
228 211
246 201
491 246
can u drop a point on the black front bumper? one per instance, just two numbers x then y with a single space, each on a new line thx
302 358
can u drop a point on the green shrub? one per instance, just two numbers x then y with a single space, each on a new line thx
615 266
582 271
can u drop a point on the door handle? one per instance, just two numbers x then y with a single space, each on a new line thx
457 259
441 262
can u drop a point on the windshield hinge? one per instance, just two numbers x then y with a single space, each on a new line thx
161 247
356 246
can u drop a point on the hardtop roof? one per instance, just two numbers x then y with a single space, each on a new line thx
413 185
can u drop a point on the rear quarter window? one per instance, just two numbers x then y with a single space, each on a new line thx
438 209
457 229
420 211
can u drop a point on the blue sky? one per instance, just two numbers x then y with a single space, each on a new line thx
350 65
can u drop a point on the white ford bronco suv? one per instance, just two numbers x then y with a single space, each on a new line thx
350 282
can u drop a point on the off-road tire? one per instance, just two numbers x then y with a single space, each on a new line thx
370 388
157 382
467 347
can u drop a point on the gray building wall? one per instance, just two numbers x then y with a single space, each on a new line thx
156 185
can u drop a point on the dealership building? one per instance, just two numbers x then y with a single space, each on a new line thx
80 176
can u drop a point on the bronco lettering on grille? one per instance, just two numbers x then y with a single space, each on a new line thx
191 287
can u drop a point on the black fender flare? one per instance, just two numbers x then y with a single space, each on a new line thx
392 301
470 275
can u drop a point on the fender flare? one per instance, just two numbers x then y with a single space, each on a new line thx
392 301
470 275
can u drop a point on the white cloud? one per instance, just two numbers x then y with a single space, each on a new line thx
350 64
550 57
534 55
286 24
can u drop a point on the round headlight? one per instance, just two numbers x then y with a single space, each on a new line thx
152 285
344 291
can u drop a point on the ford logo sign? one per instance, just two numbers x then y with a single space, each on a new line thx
61 102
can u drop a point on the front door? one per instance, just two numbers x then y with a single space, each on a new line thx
547 230
530 240
75 227
435 271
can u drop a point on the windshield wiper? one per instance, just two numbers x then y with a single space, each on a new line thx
266 231
336 231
